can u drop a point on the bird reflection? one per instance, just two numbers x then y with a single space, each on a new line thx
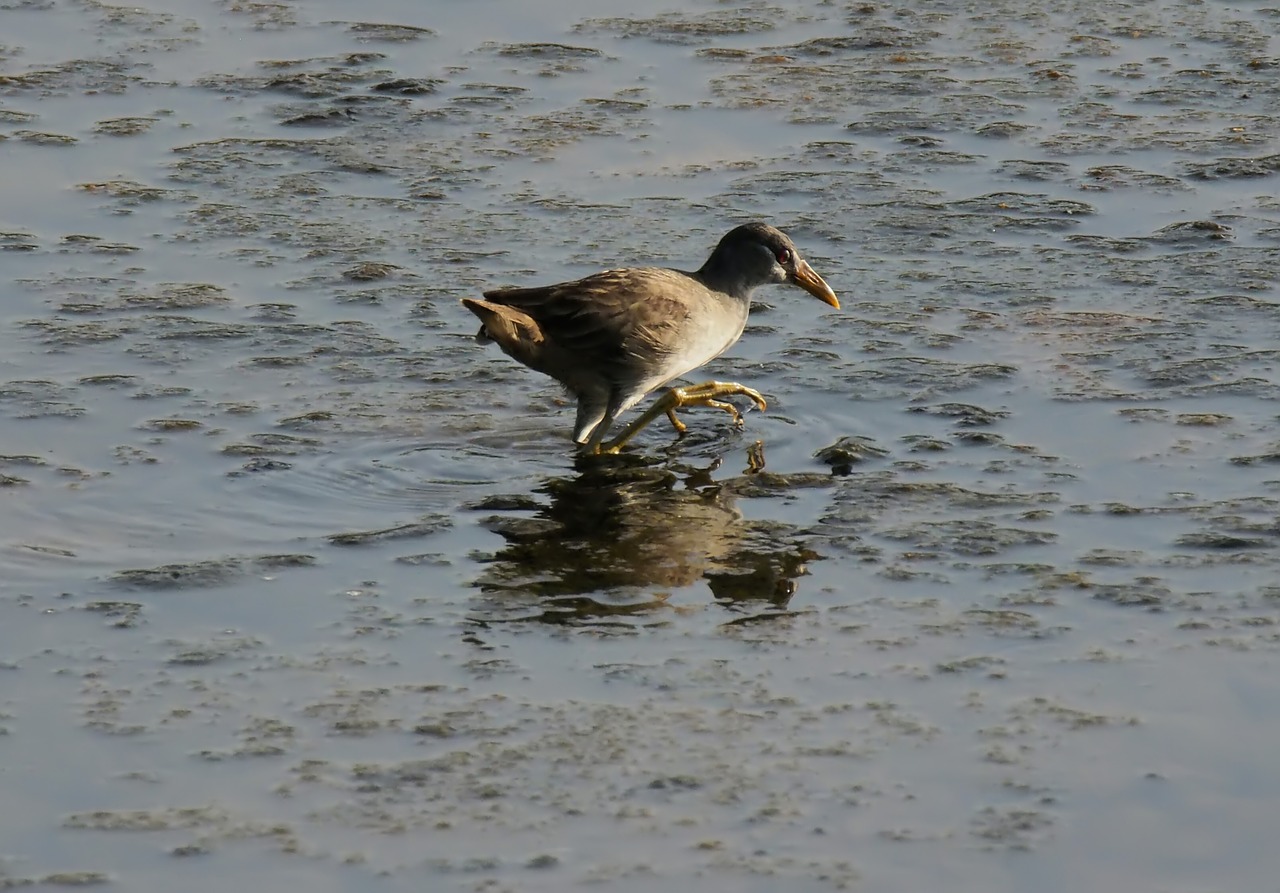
618 538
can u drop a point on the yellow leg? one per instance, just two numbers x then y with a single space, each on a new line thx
704 394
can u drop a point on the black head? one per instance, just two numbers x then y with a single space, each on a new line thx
756 254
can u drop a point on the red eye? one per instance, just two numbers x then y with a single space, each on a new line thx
783 256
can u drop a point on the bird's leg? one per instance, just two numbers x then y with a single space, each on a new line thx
704 394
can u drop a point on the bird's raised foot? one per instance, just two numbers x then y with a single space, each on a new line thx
698 394
705 394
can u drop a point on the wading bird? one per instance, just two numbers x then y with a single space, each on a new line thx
613 337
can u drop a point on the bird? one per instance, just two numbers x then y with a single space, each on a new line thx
613 337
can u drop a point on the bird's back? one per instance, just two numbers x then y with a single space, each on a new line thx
646 324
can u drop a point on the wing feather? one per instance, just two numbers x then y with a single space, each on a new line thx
627 319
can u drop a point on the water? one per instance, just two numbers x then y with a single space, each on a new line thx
302 585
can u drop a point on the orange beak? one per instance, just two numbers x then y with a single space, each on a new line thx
814 284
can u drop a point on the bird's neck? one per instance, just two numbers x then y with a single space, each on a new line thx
718 275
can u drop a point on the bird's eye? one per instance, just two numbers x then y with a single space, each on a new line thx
783 256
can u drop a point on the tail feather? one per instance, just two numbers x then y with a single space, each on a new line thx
515 332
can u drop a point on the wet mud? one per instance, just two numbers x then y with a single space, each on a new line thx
302 582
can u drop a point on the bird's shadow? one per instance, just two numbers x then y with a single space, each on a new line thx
613 543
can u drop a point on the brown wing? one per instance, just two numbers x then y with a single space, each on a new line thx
623 317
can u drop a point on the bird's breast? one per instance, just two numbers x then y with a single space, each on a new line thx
710 328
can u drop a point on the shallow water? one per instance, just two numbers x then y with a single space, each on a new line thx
304 585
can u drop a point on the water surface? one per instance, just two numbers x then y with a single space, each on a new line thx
303 585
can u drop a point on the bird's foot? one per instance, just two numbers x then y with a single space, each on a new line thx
705 394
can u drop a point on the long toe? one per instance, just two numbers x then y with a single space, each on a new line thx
680 426
721 405
716 389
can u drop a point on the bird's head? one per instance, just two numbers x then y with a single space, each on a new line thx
756 254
